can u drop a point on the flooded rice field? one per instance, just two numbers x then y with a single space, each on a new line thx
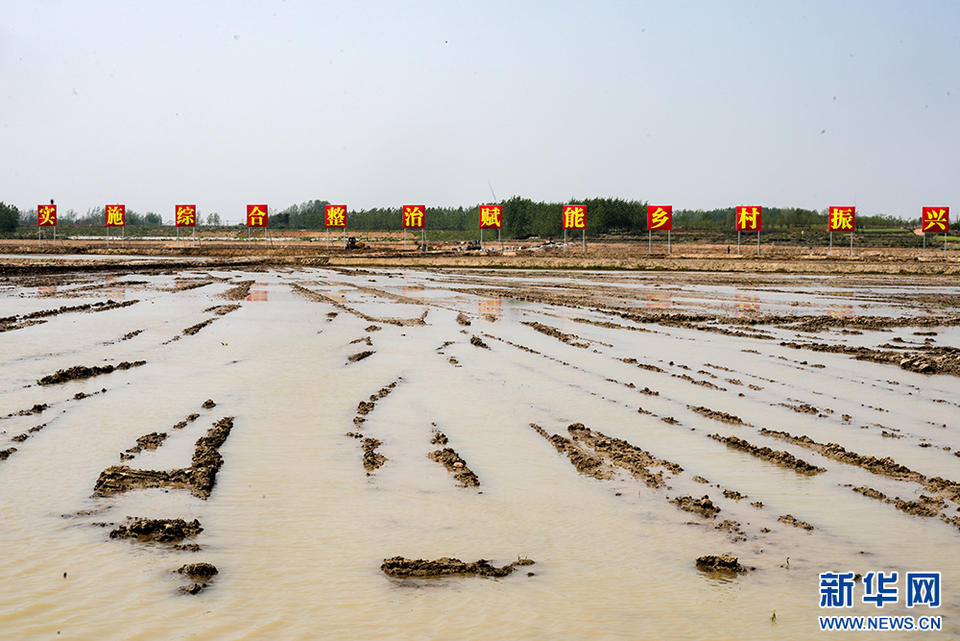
417 454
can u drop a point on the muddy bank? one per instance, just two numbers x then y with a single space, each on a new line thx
569 339
199 478
774 456
723 417
240 291
401 567
81 371
149 441
595 454
157 530
8 323
455 465
932 360
882 466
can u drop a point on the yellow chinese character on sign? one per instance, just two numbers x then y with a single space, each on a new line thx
842 219
255 217
489 217
414 217
47 215
336 217
659 218
748 217
186 216
935 220
114 215
574 218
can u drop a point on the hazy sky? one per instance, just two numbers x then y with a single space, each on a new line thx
375 104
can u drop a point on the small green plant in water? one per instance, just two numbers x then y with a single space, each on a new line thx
773 617
786 566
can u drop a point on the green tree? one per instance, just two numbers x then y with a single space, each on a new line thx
9 218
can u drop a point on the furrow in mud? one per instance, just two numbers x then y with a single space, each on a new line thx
9 323
774 456
449 458
81 371
309 294
885 466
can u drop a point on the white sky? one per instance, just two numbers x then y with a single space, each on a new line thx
375 104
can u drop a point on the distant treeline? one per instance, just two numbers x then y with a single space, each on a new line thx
522 218
94 217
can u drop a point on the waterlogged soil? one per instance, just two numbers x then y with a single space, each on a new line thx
690 426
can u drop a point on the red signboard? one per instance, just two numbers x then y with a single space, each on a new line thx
186 216
46 215
413 216
336 216
574 216
491 216
660 217
749 218
842 219
116 215
935 220
257 216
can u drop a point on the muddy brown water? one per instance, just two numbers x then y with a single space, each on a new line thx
298 529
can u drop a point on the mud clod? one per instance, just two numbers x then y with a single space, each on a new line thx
720 563
371 458
789 519
158 530
146 442
401 567
360 356
198 570
702 506
477 342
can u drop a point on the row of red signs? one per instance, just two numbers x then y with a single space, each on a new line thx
659 217
750 218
